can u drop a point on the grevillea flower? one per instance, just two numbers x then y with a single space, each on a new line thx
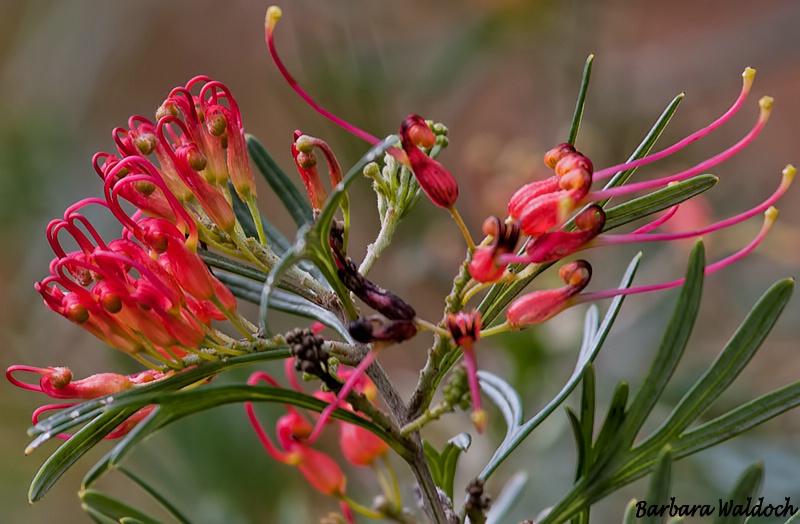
465 330
56 382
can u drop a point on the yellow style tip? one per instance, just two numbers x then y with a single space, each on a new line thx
274 14
789 172
765 103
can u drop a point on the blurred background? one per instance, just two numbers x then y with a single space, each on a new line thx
503 75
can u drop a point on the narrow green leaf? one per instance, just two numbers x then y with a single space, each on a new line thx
73 449
587 417
587 354
113 508
730 362
748 485
434 459
672 346
659 488
658 200
608 438
576 118
450 454
580 445
123 446
591 323
508 496
98 516
167 505
296 204
219 261
738 420
283 301
277 242
647 144
504 397
630 513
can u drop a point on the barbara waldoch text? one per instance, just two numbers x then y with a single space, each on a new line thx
725 508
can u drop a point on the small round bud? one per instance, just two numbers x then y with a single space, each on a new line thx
440 129
590 217
573 161
421 135
372 170
168 108
306 160
77 313
145 143
552 157
578 178
576 273
111 302
216 125
144 187
196 159
60 377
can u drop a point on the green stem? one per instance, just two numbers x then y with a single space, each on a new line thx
388 227
430 415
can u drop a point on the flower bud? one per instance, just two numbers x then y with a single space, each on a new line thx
434 179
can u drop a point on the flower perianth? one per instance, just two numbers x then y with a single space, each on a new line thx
465 330
539 306
306 162
486 264
549 247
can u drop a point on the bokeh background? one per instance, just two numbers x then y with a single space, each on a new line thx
503 75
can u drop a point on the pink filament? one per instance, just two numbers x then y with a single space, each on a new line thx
599 295
351 381
604 173
699 168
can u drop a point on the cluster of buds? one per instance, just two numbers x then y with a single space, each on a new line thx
57 383
294 435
